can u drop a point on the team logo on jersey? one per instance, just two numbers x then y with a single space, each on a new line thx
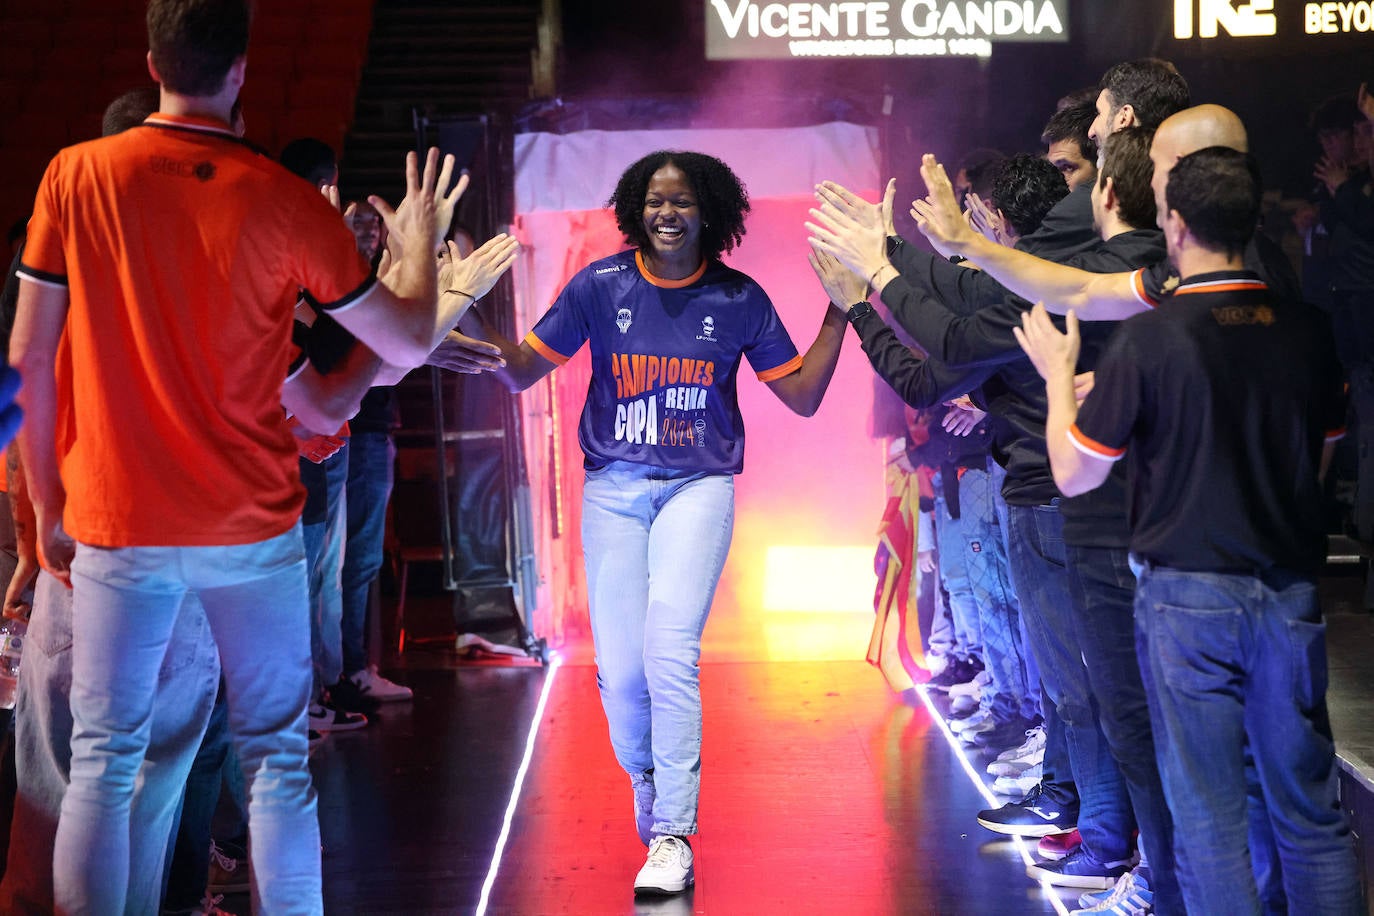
708 329
623 320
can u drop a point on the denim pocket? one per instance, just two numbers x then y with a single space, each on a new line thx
1198 648
50 625
1308 643
187 643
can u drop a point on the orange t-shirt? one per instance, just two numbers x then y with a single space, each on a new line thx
183 251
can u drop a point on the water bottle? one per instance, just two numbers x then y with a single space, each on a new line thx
11 649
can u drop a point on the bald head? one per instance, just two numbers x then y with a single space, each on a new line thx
1188 131
1202 126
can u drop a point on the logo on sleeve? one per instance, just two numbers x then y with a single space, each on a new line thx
623 320
708 329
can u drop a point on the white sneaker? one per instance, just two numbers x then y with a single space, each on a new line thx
1019 785
973 688
1018 767
668 869
323 719
1035 741
379 688
959 726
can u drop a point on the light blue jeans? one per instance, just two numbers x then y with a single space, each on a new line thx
950 555
127 603
655 542
43 736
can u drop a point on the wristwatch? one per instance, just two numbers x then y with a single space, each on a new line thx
858 310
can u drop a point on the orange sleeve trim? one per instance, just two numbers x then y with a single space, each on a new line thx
545 350
1138 285
668 284
1218 288
1092 447
787 368
1334 434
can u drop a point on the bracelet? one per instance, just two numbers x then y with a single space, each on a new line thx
460 292
872 278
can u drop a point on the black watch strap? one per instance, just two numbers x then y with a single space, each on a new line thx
858 310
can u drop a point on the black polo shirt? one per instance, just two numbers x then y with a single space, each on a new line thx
1263 257
1222 402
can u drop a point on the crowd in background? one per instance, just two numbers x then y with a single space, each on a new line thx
1166 741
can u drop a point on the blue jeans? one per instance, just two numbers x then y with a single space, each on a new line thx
950 550
1239 663
1008 694
324 546
1037 556
1103 589
127 604
43 735
371 460
655 542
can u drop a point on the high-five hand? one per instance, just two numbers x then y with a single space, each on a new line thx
938 216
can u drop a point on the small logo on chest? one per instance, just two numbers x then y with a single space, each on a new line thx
708 329
623 320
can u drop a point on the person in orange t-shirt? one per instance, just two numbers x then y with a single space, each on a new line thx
166 260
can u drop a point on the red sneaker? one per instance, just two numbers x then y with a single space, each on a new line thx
1058 845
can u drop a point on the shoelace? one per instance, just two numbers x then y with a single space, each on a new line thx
228 863
209 906
1124 887
663 850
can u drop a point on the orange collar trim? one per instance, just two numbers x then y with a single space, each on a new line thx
668 284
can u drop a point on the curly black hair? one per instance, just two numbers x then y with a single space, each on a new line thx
1026 188
720 195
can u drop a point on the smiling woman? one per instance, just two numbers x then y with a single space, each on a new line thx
668 325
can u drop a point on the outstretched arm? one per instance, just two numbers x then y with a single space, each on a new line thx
521 365
845 226
1095 297
1055 357
919 382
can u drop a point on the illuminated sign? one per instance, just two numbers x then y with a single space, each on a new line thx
1249 19
1331 18
1258 19
745 29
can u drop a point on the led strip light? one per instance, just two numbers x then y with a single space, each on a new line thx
983 790
554 663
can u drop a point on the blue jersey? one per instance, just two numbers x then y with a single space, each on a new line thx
664 359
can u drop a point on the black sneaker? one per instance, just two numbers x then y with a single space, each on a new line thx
1005 735
328 719
1036 815
958 671
349 697
1079 869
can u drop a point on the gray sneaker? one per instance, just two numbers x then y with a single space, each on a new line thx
643 786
